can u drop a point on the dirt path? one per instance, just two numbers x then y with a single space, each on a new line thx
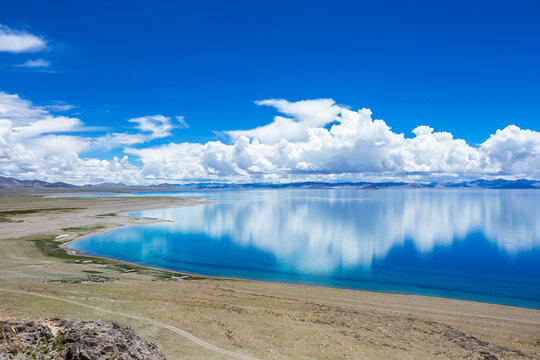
140 318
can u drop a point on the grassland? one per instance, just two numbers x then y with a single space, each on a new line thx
262 320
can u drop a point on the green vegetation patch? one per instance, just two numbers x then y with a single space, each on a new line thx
50 247
82 229
8 220
5 216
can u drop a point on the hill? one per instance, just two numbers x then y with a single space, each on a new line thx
12 183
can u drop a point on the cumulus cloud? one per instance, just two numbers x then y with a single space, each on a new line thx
513 151
311 140
319 139
16 41
304 115
36 144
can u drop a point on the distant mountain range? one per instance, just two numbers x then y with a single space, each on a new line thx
12 183
6 182
485 184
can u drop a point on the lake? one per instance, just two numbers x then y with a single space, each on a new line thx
481 245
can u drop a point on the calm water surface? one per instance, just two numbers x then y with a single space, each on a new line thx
470 244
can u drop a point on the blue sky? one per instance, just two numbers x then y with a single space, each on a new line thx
464 67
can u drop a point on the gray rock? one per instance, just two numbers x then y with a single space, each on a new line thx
62 339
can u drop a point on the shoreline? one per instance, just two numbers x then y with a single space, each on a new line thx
74 252
69 251
291 283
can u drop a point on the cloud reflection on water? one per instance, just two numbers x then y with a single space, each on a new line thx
311 232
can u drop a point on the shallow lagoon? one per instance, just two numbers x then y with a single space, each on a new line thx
469 244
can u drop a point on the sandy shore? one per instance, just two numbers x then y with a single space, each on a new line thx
82 212
262 320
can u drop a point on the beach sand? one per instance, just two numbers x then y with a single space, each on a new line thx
258 319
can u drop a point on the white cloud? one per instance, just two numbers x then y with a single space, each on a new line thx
17 41
19 111
354 147
59 106
150 127
182 124
32 145
157 125
318 140
48 125
36 63
513 151
304 114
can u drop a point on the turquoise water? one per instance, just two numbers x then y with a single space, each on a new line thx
479 245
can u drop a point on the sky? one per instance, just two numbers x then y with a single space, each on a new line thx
247 91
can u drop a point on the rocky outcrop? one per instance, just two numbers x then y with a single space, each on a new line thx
62 339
